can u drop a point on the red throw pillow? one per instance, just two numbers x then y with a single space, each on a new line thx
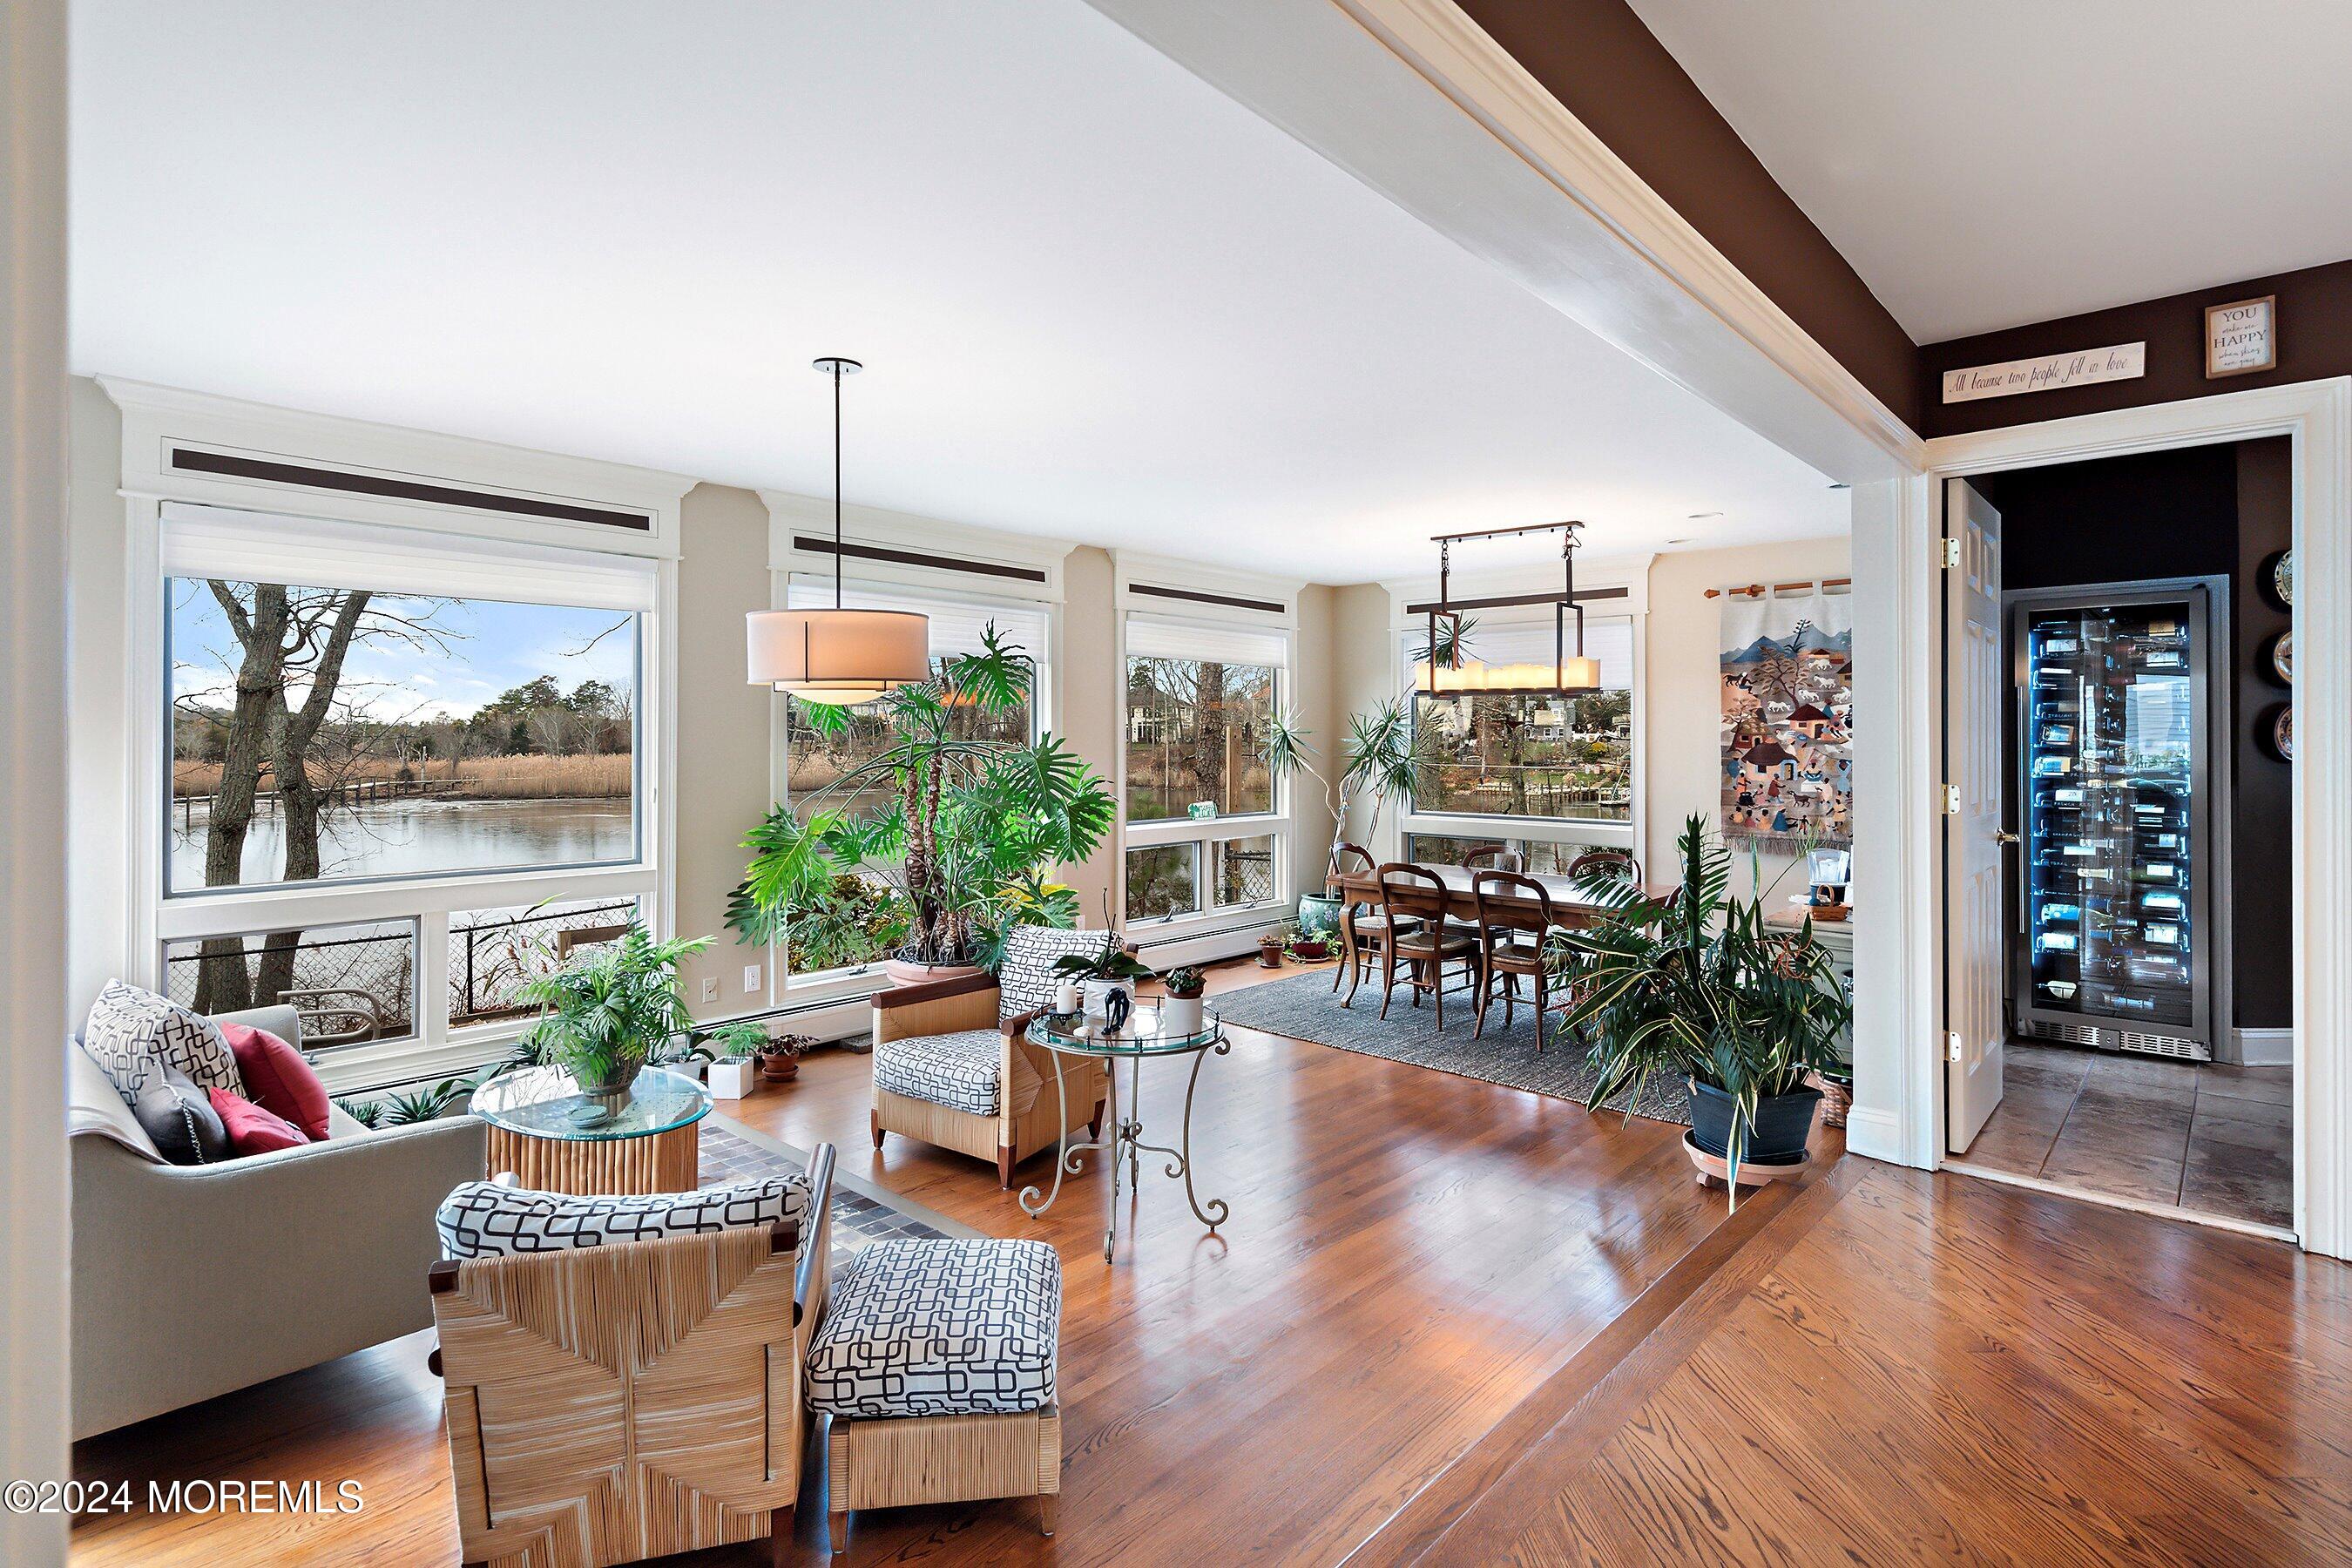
279 1080
253 1130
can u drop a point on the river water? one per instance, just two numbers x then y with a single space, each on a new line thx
418 837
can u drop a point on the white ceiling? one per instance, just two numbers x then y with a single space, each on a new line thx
1096 300
1997 161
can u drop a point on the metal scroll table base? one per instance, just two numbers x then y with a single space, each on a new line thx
1123 1134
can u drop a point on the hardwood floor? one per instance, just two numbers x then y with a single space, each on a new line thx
1452 1323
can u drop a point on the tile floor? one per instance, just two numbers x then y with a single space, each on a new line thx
2215 1139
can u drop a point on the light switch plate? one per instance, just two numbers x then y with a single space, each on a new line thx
750 977
710 990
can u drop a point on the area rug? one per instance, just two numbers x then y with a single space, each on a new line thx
863 1214
1304 1008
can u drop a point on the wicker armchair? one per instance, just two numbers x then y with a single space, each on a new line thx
613 1403
953 1066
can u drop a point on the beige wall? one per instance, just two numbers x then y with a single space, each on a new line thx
1363 675
1682 687
722 732
1311 700
1086 695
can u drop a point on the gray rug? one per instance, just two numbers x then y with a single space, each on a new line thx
1304 1008
863 1214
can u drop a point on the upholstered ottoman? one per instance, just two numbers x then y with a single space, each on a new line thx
935 1367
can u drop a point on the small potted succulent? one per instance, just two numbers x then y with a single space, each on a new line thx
1269 948
1180 1013
736 1047
1106 983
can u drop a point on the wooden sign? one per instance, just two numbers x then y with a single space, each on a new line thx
2083 367
2242 338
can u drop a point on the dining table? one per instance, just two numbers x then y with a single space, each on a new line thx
1571 906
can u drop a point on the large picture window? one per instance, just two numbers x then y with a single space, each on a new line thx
1557 758
864 920
400 771
335 735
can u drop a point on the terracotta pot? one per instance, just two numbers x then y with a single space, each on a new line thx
1270 955
778 1067
902 972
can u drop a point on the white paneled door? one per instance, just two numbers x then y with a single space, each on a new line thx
1973 905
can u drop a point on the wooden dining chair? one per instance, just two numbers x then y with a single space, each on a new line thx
1490 857
1368 931
1514 913
1593 859
1415 896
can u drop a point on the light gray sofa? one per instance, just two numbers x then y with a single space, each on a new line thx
193 1280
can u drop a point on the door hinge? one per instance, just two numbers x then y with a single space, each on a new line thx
1952 1044
1952 553
1951 800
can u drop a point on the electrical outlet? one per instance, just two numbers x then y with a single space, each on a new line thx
710 990
750 977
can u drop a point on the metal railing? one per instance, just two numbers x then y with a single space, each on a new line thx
493 954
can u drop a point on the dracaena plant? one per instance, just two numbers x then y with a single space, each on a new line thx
967 830
1380 758
1695 983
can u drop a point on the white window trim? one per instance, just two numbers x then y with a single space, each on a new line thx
791 515
154 420
1129 570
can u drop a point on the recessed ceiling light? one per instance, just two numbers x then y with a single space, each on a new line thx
1700 516
1841 485
1677 542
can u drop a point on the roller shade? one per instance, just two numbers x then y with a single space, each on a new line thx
1609 641
956 623
313 552
1156 637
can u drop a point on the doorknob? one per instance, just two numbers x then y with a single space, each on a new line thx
2002 835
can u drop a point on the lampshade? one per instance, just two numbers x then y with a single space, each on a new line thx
1574 676
841 658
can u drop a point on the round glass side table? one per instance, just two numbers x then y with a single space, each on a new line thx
1069 1035
556 1139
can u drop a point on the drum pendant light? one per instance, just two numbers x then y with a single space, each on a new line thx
837 657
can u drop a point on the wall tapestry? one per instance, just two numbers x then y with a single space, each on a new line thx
1787 713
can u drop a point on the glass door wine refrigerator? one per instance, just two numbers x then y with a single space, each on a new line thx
2121 810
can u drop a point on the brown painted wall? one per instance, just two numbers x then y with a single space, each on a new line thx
1610 71
2315 334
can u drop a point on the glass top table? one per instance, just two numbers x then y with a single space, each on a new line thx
545 1102
1146 1033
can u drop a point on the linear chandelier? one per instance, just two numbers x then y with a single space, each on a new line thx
1453 674
837 657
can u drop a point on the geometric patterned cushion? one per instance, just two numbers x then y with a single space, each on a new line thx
958 1070
484 1219
1026 982
939 1328
134 1035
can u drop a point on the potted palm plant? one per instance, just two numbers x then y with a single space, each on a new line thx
1696 986
611 1007
1379 761
965 830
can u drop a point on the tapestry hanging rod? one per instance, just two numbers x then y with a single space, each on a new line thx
1758 590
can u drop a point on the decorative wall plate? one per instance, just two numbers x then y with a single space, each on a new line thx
2275 578
2278 659
2274 732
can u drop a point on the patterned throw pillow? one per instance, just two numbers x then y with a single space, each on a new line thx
133 1034
484 1219
939 1328
1026 982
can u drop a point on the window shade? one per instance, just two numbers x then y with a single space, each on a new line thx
314 553
1156 637
1609 641
956 624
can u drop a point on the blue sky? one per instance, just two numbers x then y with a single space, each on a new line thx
488 647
